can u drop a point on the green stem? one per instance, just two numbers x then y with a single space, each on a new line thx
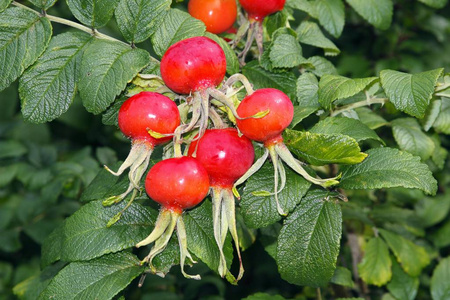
71 24
367 102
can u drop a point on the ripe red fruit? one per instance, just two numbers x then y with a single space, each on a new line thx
224 154
217 15
258 10
148 110
268 128
138 114
193 64
177 184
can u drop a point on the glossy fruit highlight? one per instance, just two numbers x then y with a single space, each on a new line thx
148 110
193 64
225 155
217 15
281 112
177 183
258 10
137 115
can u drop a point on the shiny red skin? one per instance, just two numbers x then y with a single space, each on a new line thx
148 110
259 9
217 15
225 155
177 183
193 64
269 127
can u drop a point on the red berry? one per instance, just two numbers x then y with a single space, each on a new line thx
218 15
269 127
193 64
225 155
258 10
177 183
148 110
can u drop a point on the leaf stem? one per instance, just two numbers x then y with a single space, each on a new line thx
367 102
72 24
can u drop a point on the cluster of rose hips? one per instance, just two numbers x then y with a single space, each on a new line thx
216 142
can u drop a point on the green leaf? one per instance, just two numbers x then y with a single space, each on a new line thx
275 21
300 113
410 93
9 240
347 126
176 26
413 258
307 89
43 4
100 278
11 148
164 261
321 149
101 186
309 33
333 87
409 136
48 88
308 244
261 78
441 238
52 247
386 168
342 276
435 3
370 118
331 15
139 19
86 235
33 286
322 66
304 5
232 60
93 13
106 68
23 38
432 114
440 282
200 236
432 210
402 286
4 4
376 12
375 267
260 211
442 123
286 52
440 154
264 296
